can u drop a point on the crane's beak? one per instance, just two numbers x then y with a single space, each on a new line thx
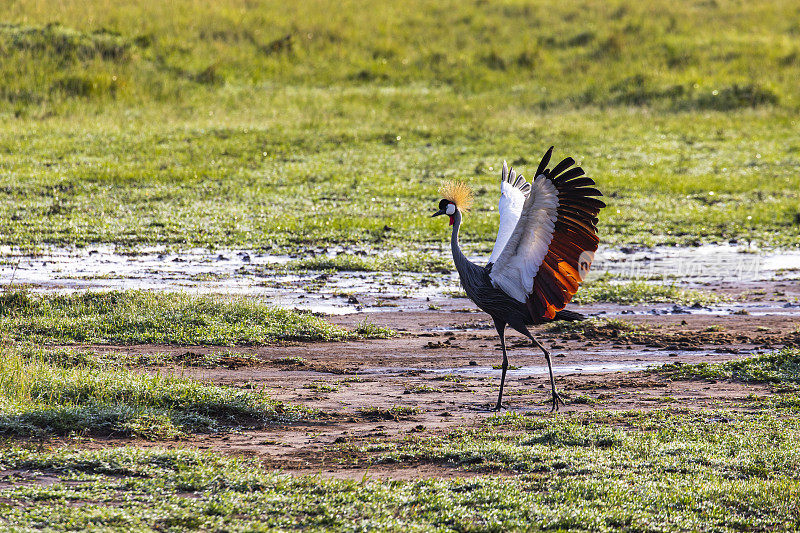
437 213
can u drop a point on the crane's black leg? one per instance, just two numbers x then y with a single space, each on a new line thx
556 396
501 330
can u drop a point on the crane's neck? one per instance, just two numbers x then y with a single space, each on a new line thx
461 262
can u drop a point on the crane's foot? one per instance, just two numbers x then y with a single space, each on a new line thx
556 400
498 407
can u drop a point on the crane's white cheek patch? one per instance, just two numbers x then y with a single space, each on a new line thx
451 209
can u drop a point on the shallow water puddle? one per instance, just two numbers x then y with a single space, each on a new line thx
223 271
749 308
250 273
709 263
534 370
596 362
588 368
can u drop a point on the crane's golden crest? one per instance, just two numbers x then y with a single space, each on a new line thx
457 192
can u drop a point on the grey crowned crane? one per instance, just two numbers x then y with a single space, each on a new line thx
544 247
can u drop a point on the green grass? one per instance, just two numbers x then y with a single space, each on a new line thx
409 262
573 53
369 330
657 471
780 368
61 179
171 318
42 399
421 389
321 386
70 356
140 125
707 444
396 412
605 290
202 124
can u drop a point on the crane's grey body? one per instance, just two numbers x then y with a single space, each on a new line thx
503 309
478 286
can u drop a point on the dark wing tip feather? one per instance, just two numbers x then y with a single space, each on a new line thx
569 175
575 183
561 167
586 191
543 164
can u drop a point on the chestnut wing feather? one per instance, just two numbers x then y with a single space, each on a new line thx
553 244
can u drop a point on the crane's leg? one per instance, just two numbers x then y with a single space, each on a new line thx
556 397
501 330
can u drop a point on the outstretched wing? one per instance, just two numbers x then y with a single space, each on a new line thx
513 192
553 243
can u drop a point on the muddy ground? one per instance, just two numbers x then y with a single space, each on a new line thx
440 373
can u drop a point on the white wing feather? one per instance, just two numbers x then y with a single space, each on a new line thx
511 201
518 263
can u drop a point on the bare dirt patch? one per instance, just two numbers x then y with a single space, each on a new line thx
439 375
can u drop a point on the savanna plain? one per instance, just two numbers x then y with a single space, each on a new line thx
225 305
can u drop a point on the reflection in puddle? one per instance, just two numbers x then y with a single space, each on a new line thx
708 263
598 362
586 368
535 370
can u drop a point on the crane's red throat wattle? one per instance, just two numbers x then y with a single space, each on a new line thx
452 220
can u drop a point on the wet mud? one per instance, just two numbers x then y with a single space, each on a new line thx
442 373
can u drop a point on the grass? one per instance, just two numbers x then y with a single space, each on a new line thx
170 318
778 368
588 52
321 386
409 262
656 471
225 133
397 412
707 444
59 187
370 330
421 389
70 356
42 399
455 293
605 290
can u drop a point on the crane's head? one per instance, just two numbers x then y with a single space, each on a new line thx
446 207
456 196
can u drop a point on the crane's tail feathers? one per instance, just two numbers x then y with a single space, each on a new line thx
570 316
